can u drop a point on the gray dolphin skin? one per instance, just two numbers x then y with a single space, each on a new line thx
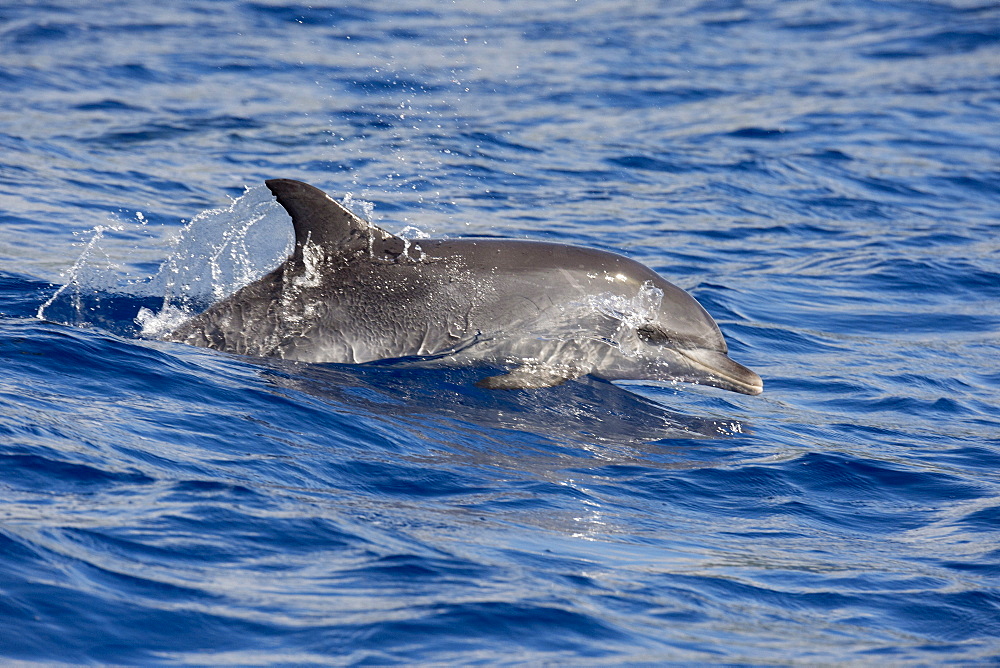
547 312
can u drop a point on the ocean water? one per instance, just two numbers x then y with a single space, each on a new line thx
824 177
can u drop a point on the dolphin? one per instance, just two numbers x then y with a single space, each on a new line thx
544 312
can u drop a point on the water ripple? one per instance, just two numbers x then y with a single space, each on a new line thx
822 177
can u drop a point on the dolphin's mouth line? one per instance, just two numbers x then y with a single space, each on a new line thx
740 385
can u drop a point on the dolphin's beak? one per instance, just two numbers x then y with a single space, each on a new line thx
723 372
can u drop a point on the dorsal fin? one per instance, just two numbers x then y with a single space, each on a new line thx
319 219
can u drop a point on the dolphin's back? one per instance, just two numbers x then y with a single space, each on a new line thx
351 292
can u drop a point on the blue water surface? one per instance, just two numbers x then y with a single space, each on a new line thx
823 176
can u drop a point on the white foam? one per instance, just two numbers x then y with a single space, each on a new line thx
156 324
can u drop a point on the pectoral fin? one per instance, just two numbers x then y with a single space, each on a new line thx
530 377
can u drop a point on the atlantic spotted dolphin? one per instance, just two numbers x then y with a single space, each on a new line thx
546 312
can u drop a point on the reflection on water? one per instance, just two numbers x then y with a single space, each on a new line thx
537 444
587 412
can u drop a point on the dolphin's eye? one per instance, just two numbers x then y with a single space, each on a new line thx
654 334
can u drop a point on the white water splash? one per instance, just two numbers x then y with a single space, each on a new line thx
359 207
89 272
216 254
412 232
630 313
155 324
221 250
213 256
